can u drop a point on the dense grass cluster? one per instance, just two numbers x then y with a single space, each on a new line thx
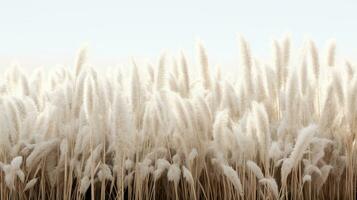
281 129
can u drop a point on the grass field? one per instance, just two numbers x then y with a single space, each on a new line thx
284 128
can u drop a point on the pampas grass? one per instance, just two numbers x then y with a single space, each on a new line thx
281 129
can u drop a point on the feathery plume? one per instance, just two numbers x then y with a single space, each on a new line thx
185 74
80 60
255 169
272 185
330 55
232 176
314 54
161 72
30 184
205 70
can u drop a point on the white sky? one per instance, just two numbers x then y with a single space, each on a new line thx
43 32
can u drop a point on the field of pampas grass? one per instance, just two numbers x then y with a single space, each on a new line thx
279 129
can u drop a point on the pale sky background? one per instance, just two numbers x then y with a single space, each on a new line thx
45 33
